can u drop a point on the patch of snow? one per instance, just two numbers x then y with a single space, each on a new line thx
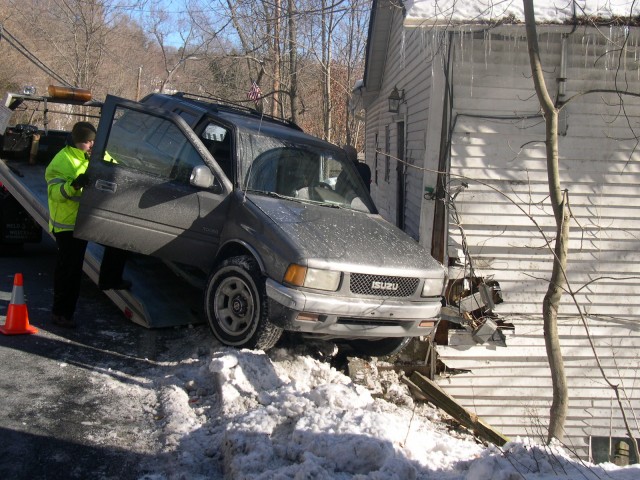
247 415
430 12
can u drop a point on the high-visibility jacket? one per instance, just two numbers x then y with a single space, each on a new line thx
63 198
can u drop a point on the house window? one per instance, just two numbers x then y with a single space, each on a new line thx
375 159
387 149
612 449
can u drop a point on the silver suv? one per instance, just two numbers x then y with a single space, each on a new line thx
280 221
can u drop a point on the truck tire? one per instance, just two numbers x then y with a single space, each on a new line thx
236 306
379 348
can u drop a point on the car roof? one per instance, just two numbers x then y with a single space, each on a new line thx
216 105
238 115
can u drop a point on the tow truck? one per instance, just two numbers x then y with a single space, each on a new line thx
164 295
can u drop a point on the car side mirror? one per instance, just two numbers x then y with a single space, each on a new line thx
202 177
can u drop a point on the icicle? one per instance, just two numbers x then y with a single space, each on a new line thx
402 51
625 31
443 44
548 37
607 63
460 33
485 43
471 61
487 49
432 41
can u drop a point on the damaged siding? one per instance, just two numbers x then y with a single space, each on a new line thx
510 388
499 141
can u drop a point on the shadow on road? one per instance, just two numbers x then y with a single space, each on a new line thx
28 456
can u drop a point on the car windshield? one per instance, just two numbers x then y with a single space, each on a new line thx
303 171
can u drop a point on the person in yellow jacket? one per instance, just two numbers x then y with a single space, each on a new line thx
66 178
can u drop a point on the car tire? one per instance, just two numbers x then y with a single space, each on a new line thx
379 348
236 305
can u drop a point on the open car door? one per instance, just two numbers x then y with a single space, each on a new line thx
154 188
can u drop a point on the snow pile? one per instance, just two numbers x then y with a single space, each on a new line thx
302 418
249 415
431 12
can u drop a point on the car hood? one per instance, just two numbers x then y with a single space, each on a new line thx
352 241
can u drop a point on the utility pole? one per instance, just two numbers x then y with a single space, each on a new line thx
138 83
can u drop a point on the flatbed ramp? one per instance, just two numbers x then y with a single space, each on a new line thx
162 295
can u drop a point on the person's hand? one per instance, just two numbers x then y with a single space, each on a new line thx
81 181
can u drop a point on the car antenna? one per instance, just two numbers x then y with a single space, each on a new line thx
246 183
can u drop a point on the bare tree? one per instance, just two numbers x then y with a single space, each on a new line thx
293 59
182 37
559 202
350 48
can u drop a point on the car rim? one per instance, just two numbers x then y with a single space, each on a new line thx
234 306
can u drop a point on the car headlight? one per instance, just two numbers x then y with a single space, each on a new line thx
432 287
300 276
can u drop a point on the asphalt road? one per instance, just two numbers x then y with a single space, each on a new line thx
53 423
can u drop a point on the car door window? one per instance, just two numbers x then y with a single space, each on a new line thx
151 144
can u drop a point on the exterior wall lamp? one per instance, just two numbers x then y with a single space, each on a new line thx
396 97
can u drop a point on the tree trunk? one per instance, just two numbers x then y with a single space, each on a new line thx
327 31
558 411
293 60
277 59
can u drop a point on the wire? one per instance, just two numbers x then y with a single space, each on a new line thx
10 39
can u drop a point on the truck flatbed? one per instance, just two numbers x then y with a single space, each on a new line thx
163 294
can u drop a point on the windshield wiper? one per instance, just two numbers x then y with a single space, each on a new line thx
321 203
268 194
295 199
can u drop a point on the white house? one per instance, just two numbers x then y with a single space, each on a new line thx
461 166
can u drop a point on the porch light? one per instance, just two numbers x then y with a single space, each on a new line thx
395 99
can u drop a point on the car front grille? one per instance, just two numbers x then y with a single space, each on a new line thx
382 285
369 322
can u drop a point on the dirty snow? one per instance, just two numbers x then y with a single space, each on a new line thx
226 413
547 11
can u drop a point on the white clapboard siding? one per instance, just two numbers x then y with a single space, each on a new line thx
510 387
506 215
406 68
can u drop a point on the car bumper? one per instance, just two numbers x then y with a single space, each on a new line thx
349 317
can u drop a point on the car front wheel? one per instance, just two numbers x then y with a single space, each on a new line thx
236 306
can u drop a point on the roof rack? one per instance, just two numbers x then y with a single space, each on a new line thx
222 104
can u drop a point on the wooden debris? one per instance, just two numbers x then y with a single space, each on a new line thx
434 394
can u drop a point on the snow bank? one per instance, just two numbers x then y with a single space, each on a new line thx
248 415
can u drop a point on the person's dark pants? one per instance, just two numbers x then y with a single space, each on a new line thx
112 266
67 274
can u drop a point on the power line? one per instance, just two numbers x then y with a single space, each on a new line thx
10 39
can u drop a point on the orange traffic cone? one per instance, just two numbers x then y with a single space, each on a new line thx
17 317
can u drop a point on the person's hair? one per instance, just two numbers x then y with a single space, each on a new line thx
352 153
83 132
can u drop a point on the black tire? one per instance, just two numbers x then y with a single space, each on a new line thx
236 305
379 348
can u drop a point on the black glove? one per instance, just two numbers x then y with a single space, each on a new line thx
81 181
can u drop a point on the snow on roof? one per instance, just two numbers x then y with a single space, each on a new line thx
484 11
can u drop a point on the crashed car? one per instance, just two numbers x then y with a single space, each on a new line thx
279 221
